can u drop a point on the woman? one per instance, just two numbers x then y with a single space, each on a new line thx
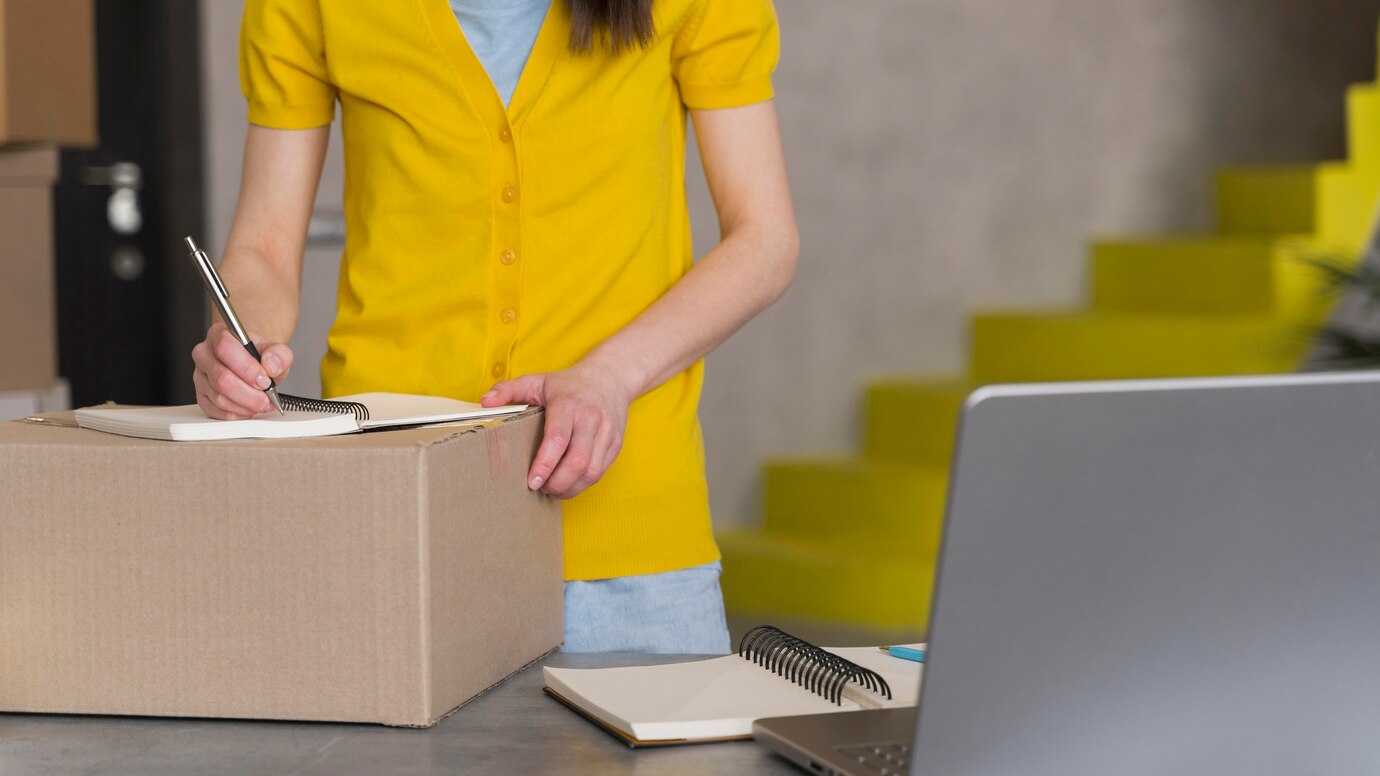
525 239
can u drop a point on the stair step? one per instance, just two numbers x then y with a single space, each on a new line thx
1267 200
913 421
873 507
1013 347
775 577
1238 274
1363 124
1347 196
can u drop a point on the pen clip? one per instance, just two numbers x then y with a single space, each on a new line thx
208 271
224 292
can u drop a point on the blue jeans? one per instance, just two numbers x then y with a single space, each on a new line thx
671 612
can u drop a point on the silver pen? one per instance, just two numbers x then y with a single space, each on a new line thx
221 297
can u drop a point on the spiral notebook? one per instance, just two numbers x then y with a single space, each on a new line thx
301 417
772 675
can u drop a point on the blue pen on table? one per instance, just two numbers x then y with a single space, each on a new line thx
905 653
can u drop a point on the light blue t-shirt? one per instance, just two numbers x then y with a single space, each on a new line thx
501 33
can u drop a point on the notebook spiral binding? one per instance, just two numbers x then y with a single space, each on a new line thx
817 670
303 404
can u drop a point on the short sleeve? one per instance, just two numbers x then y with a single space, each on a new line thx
724 55
283 65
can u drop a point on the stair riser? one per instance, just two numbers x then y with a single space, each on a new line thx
876 594
910 426
1207 277
896 509
1347 196
1036 348
1363 124
1267 200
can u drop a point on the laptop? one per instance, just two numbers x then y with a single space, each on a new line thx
1145 577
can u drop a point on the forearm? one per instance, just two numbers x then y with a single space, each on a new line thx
744 275
750 269
262 263
265 298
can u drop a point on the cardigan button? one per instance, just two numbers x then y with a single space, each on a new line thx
507 257
498 369
509 194
506 135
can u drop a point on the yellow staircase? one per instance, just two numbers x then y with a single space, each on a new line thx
854 540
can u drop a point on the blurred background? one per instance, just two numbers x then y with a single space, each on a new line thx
987 190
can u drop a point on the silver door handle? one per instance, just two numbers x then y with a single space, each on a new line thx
123 210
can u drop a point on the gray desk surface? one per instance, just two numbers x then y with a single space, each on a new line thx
514 728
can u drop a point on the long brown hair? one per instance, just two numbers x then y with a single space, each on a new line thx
615 23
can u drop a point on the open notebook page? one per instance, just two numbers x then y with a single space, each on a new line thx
188 423
716 698
398 409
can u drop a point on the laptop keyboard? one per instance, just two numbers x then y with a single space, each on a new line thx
884 759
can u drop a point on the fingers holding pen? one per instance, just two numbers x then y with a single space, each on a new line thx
229 381
214 403
277 357
231 353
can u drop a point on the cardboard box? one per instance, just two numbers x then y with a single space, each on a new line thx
28 310
385 577
48 72
21 404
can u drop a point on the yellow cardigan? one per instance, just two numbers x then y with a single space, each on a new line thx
485 242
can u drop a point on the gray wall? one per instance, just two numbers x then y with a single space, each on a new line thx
946 155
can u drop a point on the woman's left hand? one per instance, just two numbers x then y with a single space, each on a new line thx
586 415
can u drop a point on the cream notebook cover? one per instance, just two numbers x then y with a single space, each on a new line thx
719 698
345 415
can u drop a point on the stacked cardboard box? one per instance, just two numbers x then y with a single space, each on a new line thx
47 72
21 404
28 328
47 100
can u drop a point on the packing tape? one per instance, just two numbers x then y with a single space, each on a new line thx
499 453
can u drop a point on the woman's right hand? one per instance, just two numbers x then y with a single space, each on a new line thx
229 382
